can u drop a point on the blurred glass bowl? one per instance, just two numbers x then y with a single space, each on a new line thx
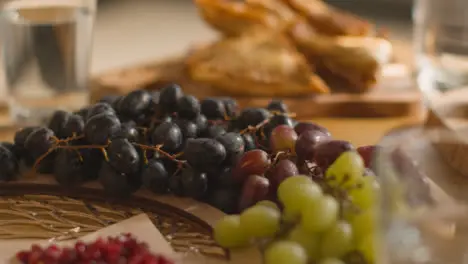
420 223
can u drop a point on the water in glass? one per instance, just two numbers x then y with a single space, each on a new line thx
441 44
46 53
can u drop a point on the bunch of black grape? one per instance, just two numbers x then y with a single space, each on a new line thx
170 142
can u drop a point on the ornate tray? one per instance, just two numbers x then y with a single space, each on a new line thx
36 207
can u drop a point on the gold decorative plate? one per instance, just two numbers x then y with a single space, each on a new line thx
37 207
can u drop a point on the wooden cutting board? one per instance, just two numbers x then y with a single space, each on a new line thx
395 95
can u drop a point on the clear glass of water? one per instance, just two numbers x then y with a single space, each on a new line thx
46 49
441 48
422 220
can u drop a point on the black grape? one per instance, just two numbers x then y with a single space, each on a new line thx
204 153
230 106
280 119
20 140
278 106
169 135
224 199
102 127
234 145
38 143
58 121
168 98
213 131
326 152
201 122
175 184
188 107
155 177
164 119
224 179
123 156
22 134
83 112
252 117
193 183
73 127
188 128
9 167
155 97
116 104
135 103
213 108
17 151
69 168
92 162
249 142
129 131
99 108
117 184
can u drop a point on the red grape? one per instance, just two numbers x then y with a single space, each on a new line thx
301 127
283 169
326 152
252 162
367 154
306 142
283 138
255 189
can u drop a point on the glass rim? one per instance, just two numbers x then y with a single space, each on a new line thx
91 5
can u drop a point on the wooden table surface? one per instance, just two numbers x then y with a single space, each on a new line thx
365 131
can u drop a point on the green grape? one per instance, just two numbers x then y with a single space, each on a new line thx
260 221
337 241
364 195
368 248
283 252
292 181
228 232
268 204
331 261
320 214
363 224
346 169
310 242
289 217
296 191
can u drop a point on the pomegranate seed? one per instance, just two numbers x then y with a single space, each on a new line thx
22 256
68 256
123 249
80 247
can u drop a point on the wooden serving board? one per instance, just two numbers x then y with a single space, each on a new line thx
395 95
37 206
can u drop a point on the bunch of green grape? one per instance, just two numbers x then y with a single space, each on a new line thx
323 221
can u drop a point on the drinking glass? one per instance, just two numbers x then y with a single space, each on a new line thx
424 213
46 49
441 50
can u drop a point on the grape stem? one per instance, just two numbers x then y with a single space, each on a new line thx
58 144
158 149
42 157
